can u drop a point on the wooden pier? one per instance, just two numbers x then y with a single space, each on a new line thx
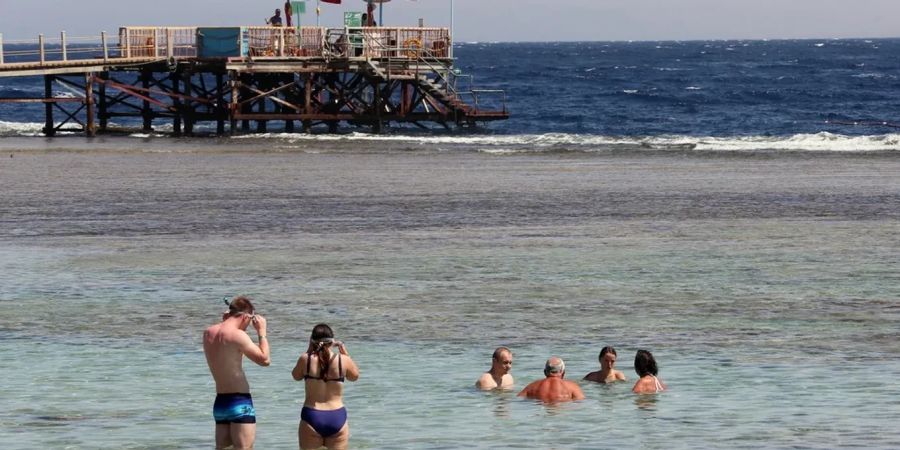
299 77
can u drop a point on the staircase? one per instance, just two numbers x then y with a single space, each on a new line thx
441 89
448 98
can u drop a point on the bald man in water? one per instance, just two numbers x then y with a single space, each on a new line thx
553 388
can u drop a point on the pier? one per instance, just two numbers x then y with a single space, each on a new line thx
249 79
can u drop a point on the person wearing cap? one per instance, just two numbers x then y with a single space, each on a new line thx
225 344
553 388
275 20
498 377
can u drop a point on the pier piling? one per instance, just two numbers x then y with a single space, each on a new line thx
49 127
89 126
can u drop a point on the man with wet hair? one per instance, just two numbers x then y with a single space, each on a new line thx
225 345
498 377
553 388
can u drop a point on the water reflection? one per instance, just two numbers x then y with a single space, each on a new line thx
646 401
502 400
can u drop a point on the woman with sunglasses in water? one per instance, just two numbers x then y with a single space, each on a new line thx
323 369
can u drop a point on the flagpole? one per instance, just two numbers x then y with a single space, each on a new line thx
451 29
317 12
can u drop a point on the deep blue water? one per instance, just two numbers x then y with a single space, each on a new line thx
699 88
646 89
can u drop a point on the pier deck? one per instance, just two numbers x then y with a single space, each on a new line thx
369 76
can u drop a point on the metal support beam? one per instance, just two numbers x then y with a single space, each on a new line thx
103 112
221 111
49 129
188 107
89 126
146 110
176 81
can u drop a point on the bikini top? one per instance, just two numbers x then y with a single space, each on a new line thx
340 379
659 387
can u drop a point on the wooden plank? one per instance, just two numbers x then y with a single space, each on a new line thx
42 100
60 71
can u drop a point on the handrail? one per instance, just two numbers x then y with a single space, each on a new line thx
151 42
61 48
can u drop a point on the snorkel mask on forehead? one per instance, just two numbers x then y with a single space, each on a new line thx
233 312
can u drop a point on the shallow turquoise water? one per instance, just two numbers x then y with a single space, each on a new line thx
766 285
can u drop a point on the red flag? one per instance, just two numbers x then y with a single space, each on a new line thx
336 2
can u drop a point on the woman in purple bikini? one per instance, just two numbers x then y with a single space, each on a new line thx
323 419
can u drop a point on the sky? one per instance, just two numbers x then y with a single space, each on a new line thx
489 20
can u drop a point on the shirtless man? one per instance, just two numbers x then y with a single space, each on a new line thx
607 372
554 388
274 21
498 377
225 345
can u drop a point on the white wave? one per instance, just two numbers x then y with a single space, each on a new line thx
587 142
537 143
874 75
21 129
818 142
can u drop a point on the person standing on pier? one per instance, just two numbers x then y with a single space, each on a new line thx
225 345
275 20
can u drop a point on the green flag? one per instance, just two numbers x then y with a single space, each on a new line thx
299 7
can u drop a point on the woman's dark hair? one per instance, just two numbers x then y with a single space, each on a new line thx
321 338
644 364
240 305
606 350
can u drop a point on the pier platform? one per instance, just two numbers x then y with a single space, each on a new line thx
243 78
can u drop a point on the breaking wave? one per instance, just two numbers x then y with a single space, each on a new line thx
524 143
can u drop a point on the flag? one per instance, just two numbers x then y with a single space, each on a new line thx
289 13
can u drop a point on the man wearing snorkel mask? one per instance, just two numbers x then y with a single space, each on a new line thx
225 345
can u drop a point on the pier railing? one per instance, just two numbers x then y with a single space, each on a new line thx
157 42
58 48
181 42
